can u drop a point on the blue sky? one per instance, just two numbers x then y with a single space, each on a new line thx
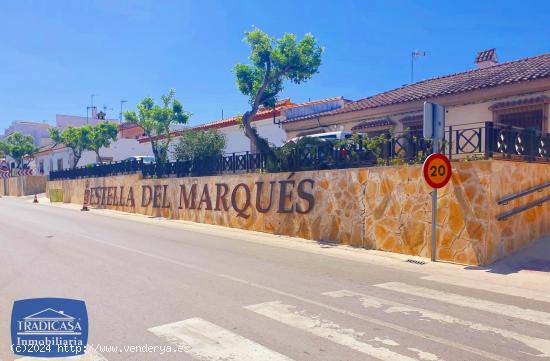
54 54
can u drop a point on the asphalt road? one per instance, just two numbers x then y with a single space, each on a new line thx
210 296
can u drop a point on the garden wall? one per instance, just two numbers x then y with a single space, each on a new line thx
386 208
23 186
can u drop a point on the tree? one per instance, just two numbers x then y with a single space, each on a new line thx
273 62
18 146
157 121
77 139
101 135
196 144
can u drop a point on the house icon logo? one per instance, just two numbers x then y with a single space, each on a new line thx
56 327
49 322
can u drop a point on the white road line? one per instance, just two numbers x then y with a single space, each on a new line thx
496 288
90 355
539 344
464 301
329 330
207 341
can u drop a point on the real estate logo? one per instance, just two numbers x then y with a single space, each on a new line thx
49 327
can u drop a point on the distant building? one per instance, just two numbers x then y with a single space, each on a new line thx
38 131
59 157
63 121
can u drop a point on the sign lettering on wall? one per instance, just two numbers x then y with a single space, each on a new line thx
284 196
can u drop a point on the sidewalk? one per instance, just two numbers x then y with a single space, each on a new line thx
524 274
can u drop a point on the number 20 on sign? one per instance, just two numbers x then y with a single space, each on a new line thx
437 173
437 170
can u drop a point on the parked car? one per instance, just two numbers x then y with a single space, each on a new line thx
342 134
147 159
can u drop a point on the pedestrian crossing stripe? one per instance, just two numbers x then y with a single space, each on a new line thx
390 307
496 288
207 341
535 316
331 331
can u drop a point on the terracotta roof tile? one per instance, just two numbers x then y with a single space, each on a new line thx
498 75
263 113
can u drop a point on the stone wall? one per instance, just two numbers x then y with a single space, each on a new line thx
386 208
23 186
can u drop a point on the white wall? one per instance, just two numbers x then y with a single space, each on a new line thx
236 141
119 150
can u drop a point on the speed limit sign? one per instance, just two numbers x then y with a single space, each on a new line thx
437 170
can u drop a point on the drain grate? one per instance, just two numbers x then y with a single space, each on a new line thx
415 261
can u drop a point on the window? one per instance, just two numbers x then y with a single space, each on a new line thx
41 167
530 119
60 164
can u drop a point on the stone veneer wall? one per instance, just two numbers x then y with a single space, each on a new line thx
23 186
386 208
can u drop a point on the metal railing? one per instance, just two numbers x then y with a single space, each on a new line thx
537 202
476 141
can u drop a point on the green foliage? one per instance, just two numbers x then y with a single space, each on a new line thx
101 135
199 143
273 62
76 138
283 155
157 121
17 146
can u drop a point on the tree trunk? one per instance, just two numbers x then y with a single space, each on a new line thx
76 159
259 144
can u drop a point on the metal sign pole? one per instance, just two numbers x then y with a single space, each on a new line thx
434 207
434 126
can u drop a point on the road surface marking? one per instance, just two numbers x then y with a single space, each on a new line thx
90 355
248 283
207 341
329 330
488 306
496 288
539 344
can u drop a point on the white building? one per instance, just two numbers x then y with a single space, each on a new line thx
63 121
267 122
38 131
59 157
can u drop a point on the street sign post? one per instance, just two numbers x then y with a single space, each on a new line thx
434 129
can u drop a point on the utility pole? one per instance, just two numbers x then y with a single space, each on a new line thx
414 55
122 101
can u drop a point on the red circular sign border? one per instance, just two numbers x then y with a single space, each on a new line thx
428 160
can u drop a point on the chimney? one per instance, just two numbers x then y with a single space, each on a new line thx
94 112
486 58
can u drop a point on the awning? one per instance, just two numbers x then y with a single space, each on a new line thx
375 123
520 103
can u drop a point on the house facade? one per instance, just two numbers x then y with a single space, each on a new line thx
267 121
514 93
59 157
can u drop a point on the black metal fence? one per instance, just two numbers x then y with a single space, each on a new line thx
469 141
